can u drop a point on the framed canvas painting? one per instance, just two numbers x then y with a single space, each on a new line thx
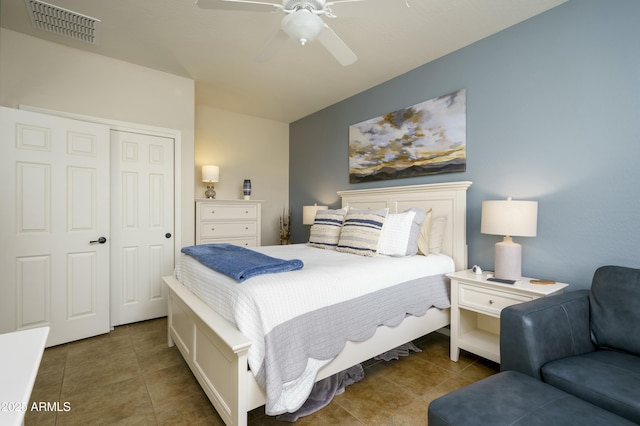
424 139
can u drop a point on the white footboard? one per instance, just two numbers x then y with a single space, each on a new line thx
216 353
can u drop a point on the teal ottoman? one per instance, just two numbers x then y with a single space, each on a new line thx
512 398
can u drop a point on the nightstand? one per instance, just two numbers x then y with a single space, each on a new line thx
475 310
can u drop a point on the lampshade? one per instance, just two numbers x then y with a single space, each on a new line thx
302 25
309 213
508 217
210 173
511 219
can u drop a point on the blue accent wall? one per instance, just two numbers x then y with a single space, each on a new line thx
553 115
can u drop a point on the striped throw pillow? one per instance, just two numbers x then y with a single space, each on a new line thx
325 231
361 232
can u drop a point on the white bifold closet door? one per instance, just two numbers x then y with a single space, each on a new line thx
54 225
86 225
142 241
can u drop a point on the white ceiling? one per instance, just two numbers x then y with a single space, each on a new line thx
216 47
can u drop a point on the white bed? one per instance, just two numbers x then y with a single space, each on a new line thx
298 321
218 353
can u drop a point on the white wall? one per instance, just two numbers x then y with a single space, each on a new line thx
39 73
245 147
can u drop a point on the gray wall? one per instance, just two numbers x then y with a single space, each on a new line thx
553 114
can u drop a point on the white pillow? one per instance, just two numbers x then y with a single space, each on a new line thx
436 238
425 230
400 233
432 234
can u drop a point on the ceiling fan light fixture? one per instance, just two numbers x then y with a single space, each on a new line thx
302 25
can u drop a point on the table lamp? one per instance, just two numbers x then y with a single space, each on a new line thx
210 174
511 219
309 213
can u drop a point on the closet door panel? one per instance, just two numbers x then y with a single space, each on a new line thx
56 174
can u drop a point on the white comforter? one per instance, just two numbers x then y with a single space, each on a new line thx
261 303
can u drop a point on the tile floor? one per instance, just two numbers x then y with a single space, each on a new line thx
131 377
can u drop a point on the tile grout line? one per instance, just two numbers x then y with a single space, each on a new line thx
143 376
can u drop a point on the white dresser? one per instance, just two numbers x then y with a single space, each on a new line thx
228 221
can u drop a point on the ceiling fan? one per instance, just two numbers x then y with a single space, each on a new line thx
302 23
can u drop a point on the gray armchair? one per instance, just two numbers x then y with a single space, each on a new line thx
586 343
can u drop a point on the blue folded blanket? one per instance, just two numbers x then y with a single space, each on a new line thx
238 262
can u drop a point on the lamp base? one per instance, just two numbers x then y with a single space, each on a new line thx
210 193
508 260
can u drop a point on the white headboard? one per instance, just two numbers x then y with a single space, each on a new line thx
445 199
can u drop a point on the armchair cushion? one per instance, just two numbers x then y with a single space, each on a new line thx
543 330
608 379
615 308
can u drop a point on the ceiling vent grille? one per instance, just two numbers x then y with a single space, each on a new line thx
62 21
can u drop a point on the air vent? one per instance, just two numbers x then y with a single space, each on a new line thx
62 21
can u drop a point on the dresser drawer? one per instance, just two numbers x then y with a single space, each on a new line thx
243 242
486 300
227 229
233 212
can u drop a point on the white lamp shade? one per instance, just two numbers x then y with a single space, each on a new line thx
509 218
309 213
302 25
210 173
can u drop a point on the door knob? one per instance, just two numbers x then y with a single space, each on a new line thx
167 235
100 240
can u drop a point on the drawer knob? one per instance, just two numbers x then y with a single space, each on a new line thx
213 229
246 212
213 212
246 228
490 302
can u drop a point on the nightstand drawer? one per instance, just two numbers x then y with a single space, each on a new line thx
227 229
213 212
486 300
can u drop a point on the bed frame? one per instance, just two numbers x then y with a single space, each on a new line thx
216 351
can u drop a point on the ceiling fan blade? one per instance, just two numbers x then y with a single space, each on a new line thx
331 3
271 47
342 8
241 5
336 46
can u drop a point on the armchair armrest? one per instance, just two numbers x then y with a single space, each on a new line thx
542 330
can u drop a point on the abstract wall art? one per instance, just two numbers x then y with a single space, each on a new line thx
424 139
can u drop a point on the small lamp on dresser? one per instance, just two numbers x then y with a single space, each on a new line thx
511 219
210 175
